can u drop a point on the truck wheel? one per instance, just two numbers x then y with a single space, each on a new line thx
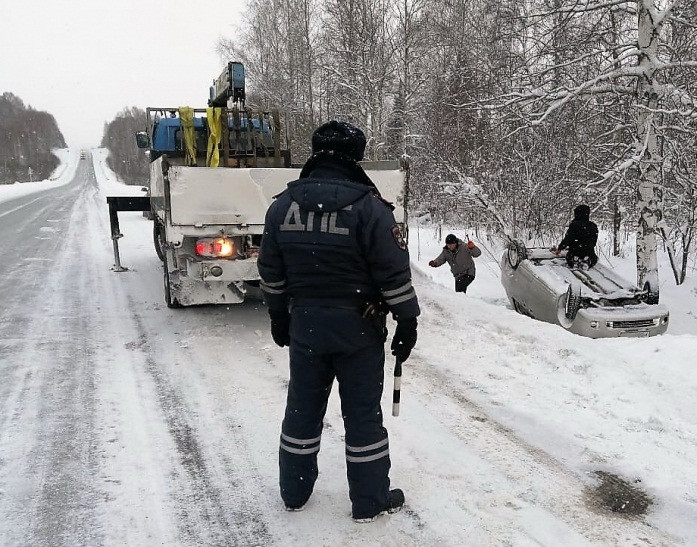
516 253
171 302
159 240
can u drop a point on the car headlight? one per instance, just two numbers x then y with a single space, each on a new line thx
594 324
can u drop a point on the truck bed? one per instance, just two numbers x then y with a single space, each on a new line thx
201 196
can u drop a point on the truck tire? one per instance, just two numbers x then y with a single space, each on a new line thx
169 300
158 240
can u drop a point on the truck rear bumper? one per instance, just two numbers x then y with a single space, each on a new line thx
214 281
227 271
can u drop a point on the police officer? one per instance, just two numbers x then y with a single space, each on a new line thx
331 258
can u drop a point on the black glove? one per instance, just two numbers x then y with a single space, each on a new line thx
404 338
280 327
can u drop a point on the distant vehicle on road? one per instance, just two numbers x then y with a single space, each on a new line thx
593 302
83 154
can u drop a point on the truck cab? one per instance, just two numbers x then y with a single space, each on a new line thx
249 138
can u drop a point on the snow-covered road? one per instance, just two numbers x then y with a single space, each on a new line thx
123 422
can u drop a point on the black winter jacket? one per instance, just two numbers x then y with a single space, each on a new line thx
330 240
582 234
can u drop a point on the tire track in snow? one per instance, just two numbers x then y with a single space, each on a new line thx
206 517
210 509
546 481
48 496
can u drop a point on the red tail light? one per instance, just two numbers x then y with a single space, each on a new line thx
220 247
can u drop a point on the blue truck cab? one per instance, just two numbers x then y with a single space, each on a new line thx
249 141
249 138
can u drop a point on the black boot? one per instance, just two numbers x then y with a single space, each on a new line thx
395 500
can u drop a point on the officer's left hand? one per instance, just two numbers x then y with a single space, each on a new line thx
280 327
470 244
404 338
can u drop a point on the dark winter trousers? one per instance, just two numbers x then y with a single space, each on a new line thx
328 343
462 282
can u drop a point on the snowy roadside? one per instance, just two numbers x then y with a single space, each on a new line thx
109 182
63 174
544 399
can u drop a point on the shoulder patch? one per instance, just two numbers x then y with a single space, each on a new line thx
398 237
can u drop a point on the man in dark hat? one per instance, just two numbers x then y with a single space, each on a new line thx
331 259
459 255
580 238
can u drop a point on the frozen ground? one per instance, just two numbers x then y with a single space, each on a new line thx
125 422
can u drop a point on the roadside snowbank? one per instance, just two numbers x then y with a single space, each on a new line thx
63 174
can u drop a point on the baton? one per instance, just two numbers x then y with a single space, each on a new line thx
397 387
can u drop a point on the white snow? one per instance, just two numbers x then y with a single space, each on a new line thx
504 419
63 174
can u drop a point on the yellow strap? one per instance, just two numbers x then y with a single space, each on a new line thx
186 114
215 130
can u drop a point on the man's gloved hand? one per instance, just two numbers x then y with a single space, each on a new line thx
470 244
432 263
280 327
404 338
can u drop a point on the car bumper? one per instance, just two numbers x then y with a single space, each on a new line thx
628 321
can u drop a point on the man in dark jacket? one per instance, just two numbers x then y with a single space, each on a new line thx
333 253
580 238
459 256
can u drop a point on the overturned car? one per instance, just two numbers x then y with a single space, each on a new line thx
593 302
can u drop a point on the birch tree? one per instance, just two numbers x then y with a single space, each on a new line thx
358 56
635 69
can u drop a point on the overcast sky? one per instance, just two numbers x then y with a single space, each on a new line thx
85 60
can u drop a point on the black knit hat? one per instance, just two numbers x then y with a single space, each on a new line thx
341 137
582 212
450 238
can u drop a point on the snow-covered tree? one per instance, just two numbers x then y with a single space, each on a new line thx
612 63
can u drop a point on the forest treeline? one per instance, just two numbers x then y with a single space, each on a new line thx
125 158
511 111
27 137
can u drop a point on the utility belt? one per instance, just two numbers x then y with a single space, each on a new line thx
375 310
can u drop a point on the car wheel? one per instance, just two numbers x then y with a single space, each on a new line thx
159 240
171 302
516 253
572 303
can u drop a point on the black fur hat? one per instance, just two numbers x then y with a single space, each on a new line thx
341 137
450 238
